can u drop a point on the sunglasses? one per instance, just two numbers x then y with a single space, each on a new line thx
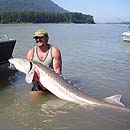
38 38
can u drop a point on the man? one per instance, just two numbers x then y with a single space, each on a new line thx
46 54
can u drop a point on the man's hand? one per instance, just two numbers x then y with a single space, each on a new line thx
36 76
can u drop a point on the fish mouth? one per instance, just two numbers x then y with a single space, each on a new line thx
11 60
11 65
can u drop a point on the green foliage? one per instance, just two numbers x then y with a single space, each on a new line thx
44 17
38 11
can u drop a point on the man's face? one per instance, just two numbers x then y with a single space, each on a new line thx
40 41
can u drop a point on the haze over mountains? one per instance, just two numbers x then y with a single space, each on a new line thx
33 5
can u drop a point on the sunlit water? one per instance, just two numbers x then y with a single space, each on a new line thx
95 59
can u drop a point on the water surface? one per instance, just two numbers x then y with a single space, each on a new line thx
95 59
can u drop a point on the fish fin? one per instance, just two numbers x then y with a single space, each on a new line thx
116 99
29 76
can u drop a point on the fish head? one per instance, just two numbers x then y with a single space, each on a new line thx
24 66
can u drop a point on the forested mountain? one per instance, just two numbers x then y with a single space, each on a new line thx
38 11
32 5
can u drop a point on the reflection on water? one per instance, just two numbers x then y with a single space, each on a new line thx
6 77
7 96
127 46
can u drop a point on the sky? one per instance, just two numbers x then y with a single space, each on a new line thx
101 10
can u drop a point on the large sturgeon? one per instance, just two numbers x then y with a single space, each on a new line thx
57 85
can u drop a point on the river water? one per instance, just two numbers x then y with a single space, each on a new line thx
95 59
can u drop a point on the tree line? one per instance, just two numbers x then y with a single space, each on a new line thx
44 17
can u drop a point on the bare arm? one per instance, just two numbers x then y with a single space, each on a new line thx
29 55
57 60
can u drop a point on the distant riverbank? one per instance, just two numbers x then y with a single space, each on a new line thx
44 17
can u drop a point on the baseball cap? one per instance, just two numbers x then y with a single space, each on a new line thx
40 33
